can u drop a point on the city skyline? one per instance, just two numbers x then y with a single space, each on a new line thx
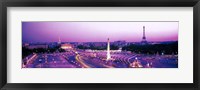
98 31
151 49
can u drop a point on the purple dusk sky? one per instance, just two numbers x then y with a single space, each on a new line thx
98 31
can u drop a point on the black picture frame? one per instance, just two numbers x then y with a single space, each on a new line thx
98 3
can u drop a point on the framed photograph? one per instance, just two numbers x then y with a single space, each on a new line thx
102 44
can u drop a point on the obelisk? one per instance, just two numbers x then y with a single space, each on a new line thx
108 50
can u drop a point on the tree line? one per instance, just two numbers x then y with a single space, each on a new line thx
170 48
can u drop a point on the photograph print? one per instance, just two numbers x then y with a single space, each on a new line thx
99 44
